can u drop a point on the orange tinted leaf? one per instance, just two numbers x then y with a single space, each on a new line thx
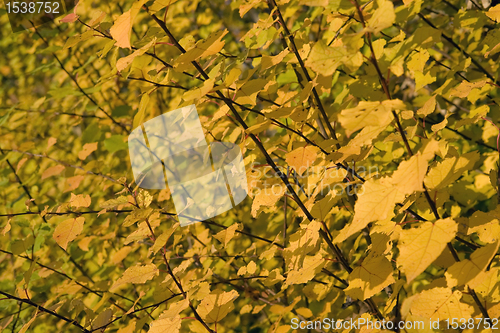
52 171
87 149
68 230
80 200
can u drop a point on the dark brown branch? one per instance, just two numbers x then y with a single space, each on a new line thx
293 47
41 308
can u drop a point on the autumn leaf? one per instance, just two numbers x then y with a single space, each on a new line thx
72 183
122 27
166 325
311 265
440 303
494 13
420 246
123 63
301 159
485 225
378 197
68 230
266 197
52 171
370 277
103 319
369 114
137 274
326 59
383 17
217 305
80 200
463 272
227 234
449 170
87 149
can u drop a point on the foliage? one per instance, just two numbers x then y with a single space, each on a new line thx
369 130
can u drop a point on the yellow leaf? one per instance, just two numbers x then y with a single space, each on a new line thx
166 325
461 273
80 200
247 93
383 17
268 61
68 230
141 113
409 177
325 59
160 4
377 201
449 170
420 246
198 93
314 3
122 63
302 158
321 208
251 267
217 305
488 284
138 274
28 324
84 243
122 28
52 171
164 237
440 303
114 202
377 197
494 13
417 61
267 197
120 255
144 198
174 309
421 79
301 242
232 76
428 107
464 88
369 114
102 320
137 215
370 277
305 312
6 228
50 142
227 234
260 127
311 266
130 328
486 225
87 149
212 45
